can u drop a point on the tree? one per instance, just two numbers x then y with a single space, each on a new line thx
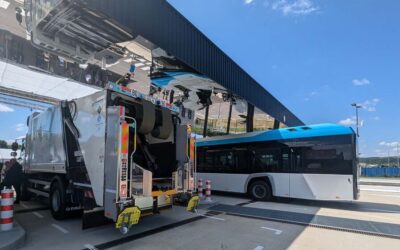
3 144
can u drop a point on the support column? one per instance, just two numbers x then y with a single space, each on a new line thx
276 124
250 118
206 121
228 127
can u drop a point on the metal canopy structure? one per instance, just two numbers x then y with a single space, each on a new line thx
33 84
158 22
66 49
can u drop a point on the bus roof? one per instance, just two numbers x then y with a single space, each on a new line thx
326 129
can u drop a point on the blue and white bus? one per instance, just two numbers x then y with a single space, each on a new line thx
316 162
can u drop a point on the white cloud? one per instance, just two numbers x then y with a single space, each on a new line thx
20 127
5 108
248 1
389 144
351 121
348 122
376 118
311 95
370 105
294 7
361 82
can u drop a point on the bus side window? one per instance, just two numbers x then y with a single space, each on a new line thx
242 162
296 160
209 162
285 161
224 162
200 160
266 160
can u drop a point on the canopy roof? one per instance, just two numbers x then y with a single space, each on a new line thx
31 82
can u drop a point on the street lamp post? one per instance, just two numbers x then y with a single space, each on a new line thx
398 160
356 106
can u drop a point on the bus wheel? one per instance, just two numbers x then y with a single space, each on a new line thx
57 200
260 190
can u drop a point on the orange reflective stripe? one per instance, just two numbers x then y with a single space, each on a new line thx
192 151
124 137
168 192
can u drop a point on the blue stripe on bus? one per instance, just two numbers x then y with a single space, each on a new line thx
279 134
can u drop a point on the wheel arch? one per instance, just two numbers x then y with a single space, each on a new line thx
259 177
59 178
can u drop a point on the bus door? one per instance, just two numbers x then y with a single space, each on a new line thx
282 177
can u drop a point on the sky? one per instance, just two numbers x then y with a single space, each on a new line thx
317 57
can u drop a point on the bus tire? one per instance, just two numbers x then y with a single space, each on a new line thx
57 200
260 191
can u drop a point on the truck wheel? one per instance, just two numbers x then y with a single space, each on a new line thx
57 200
260 190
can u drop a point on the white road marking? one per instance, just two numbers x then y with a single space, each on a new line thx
145 68
90 247
63 230
383 210
387 195
210 217
139 64
259 248
277 232
4 4
394 190
23 204
38 215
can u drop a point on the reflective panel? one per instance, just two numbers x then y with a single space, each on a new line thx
262 121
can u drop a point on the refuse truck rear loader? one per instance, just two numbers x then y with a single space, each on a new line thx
116 153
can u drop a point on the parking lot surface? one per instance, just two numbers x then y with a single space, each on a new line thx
178 229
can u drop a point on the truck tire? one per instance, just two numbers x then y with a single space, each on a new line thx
260 191
57 200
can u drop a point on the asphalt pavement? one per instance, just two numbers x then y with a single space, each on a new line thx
178 229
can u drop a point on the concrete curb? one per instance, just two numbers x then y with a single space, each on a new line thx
374 183
13 239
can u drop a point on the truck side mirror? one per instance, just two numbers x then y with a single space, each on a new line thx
14 146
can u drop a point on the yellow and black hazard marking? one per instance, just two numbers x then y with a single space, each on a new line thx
193 203
128 217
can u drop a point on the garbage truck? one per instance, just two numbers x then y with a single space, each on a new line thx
117 154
